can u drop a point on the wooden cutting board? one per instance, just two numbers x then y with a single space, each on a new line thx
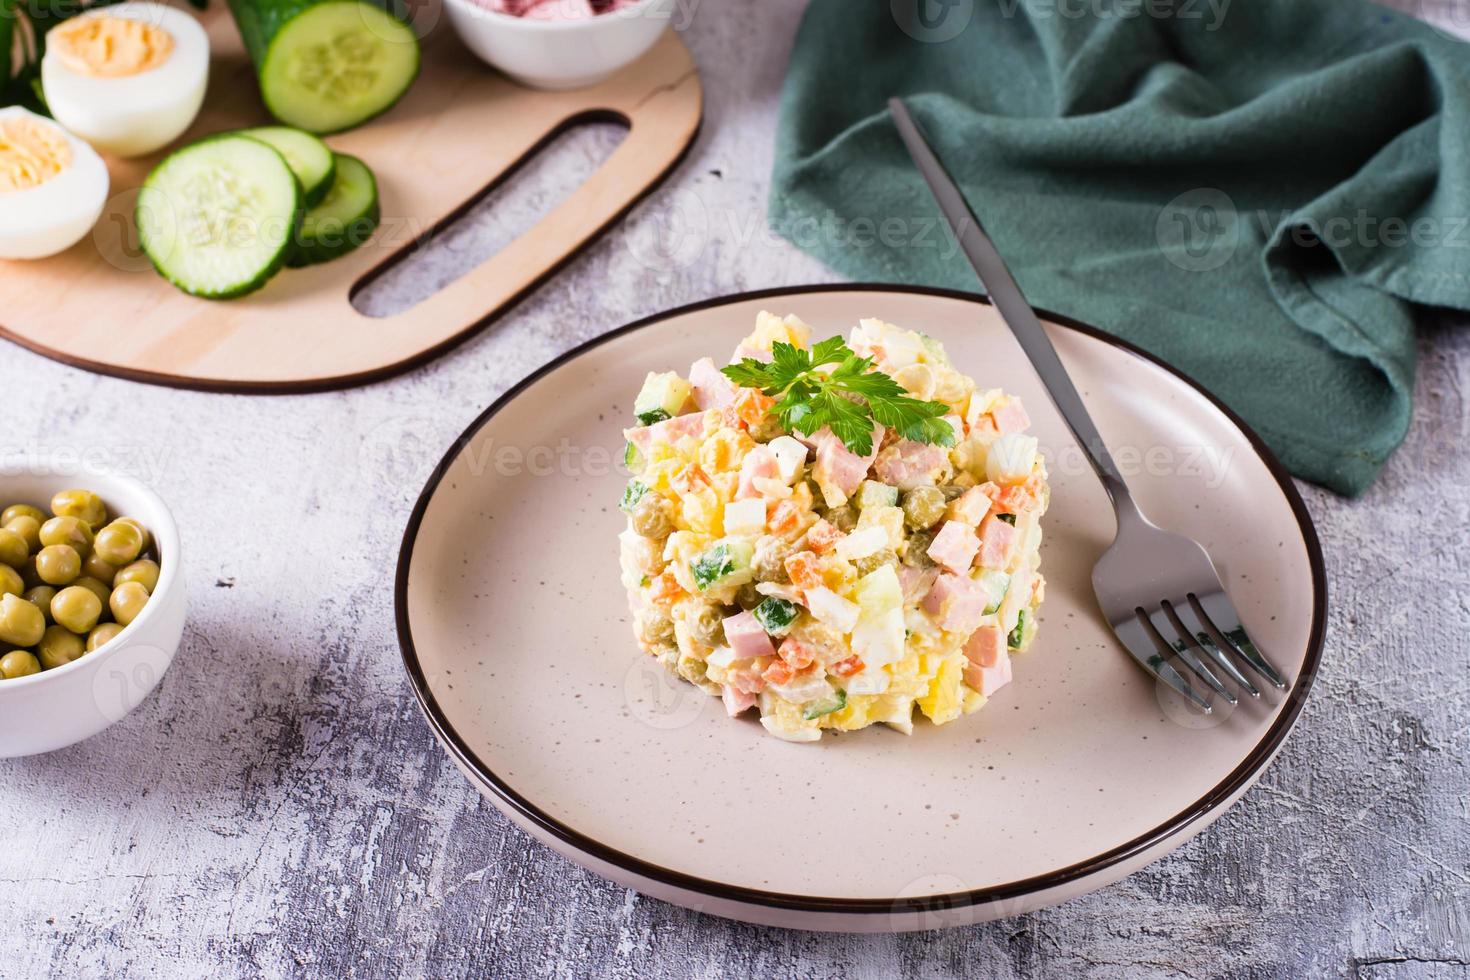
462 127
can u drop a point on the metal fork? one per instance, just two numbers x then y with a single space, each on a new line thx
1158 590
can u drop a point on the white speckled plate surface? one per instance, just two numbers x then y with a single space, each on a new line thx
515 636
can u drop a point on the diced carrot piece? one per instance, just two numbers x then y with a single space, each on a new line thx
689 477
779 672
751 406
805 570
665 589
785 517
846 668
821 536
796 653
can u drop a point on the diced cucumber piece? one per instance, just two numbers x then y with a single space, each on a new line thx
1008 518
875 494
632 458
328 65
1019 633
995 585
311 160
661 397
217 217
776 615
632 493
837 702
344 219
725 563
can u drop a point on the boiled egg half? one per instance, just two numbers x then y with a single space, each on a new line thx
128 78
52 186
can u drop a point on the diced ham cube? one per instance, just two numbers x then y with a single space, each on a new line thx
747 681
838 470
1010 416
957 602
969 507
954 546
996 540
711 388
747 637
759 463
986 646
907 464
736 701
988 680
668 431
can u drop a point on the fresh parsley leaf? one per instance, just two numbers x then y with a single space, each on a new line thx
831 386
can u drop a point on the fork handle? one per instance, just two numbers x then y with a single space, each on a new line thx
1014 310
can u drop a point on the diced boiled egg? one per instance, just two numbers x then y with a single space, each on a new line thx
790 458
745 516
873 680
52 186
807 686
127 78
831 609
1011 458
862 542
790 734
879 639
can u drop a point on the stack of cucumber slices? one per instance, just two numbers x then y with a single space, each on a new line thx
221 216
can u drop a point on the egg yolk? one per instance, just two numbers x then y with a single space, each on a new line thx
110 47
31 153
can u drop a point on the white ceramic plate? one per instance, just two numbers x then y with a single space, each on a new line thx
515 636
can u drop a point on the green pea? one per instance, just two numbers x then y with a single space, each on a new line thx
101 634
41 597
95 568
13 548
58 564
118 543
69 531
127 602
142 531
22 510
102 592
59 646
11 582
19 663
144 572
82 504
28 528
21 624
77 608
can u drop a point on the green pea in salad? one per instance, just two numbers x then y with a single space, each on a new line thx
834 533
70 580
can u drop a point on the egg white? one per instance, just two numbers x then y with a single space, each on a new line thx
135 114
53 216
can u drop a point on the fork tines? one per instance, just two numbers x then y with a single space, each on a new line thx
1189 627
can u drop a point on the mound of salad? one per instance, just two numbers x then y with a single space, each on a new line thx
835 533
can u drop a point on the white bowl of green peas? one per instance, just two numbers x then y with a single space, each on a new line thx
91 557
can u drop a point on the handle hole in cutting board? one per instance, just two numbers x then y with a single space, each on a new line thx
489 221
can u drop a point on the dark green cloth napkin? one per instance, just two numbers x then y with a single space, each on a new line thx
1255 190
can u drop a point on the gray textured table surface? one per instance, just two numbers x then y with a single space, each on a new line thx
279 806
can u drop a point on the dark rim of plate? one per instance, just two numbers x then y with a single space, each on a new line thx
1216 798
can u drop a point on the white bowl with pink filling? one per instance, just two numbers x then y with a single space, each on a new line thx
559 44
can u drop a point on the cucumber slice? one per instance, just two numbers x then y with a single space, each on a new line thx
345 218
327 65
311 160
218 217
